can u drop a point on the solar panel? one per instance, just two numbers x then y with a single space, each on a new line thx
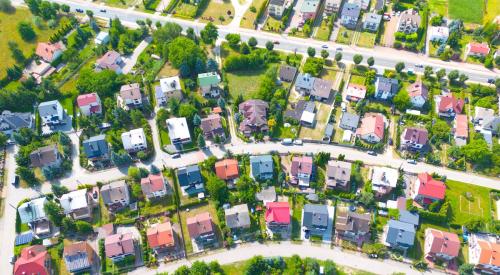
24 238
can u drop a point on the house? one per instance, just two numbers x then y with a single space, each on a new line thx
46 157
441 245
327 135
49 52
399 235
419 93
355 92
102 38
178 131
276 8
384 180
96 148
362 4
33 214
425 190
439 34
89 104
266 195
12 122
161 237
51 113
372 128
477 49
261 167
304 83
212 127
119 246
386 88
372 21
227 169
254 112
299 108
115 195
33 260
278 217
287 73
77 204
38 69
79 257
209 84
349 121
492 125
414 138
309 9
169 87
349 15
332 6
409 217
338 175
461 130
353 226
308 116
237 217
448 105
201 229
315 219
190 180
129 97
301 170
379 5
482 115
153 186
134 140
409 21
484 253
110 61
321 89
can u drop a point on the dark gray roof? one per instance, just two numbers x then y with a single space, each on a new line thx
189 175
321 88
349 121
287 73
387 84
261 165
277 2
408 217
315 215
96 146
329 130
400 233
300 107
15 121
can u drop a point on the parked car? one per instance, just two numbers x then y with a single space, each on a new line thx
103 10
12 259
298 142
15 180
339 49
390 141
79 10
324 46
176 156
411 161
276 42
372 153
287 141
419 65
491 80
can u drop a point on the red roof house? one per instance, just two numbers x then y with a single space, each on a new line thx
477 49
48 51
153 186
33 260
278 213
161 236
118 246
372 128
227 169
427 190
89 104
461 129
441 244
201 228
449 106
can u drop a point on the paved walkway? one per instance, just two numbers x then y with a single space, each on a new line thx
132 59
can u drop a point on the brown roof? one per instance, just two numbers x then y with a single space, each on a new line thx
227 169
302 164
44 156
109 60
130 91
254 112
352 221
416 135
449 102
152 183
119 244
339 170
418 89
212 124
321 88
199 225
78 248
287 73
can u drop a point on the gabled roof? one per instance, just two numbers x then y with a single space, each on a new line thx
302 165
227 169
95 146
47 50
400 233
490 253
418 89
278 212
114 191
372 123
49 108
277 2
449 102
430 187
130 91
32 210
416 135
356 90
461 126
349 120
32 261
304 81
479 48
160 235
170 84
199 225
315 215
351 10
338 170
383 176
321 88
409 217
309 5
212 124
286 72
443 242
254 112
109 60
44 156
261 164
353 222
189 175
119 244
152 183
15 121
387 85
237 216
74 200
78 256
87 99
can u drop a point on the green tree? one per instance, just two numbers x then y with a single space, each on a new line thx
453 75
68 225
3 139
59 190
428 71
55 213
199 268
246 189
477 151
324 54
440 74
26 31
183 50
311 51
370 61
27 175
402 100
65 8
244 48
338 57
84 227
167 33
252 42
233 39
466 269
269 45
212 65
201 141
217 189
196 120
440 131
367 198
399 67
357 58
209 33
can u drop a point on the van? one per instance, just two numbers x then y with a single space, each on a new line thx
287 141
14 180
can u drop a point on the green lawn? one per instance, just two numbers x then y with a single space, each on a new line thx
8 32
492 10
246 82
185 10
463 209
344 36
356 79
216 11
367 39
323 32
193 211
296 216
249 17
272 24
167 70
439 6
119 3
470 11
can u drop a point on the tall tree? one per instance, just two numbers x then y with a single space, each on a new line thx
210 33
357 58
399 67
311 51
26 31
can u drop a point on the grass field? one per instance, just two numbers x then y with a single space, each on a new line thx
185 10
207 207
323 32
328 74
356 79
468 201
249 17
366 39
492 10
246 82
470 11
218 10
323 110
272 24
344 36
167 70
439 6
296 216
8 32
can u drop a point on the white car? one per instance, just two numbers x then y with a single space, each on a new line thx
287 141
298 142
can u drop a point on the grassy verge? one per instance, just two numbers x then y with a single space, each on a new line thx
468 11
249 17
367 40
218 12
344 36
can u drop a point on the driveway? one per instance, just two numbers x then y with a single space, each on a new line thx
132 59
390 28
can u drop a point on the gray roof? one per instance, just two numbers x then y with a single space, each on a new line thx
261 165
492 125
400 233
48 108
95 146
329 130
32 210
338 170
373 18
387 84
267 194
117 190
351 10
315 215
44 156
408 217
379 5
277 2
322 88
304 81
287 73
300 107
15 121
349 121
237 216
189 175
